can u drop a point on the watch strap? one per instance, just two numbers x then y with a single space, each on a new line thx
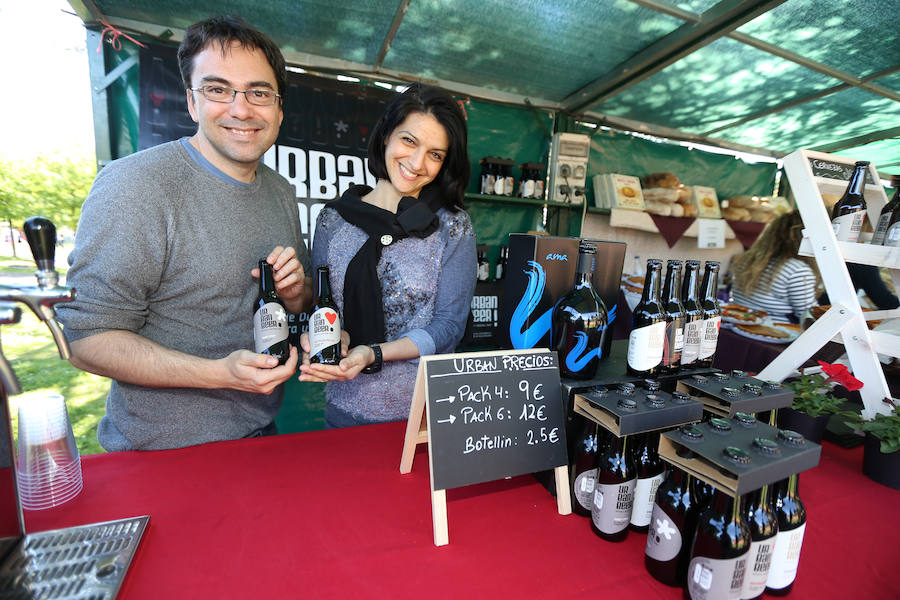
379 361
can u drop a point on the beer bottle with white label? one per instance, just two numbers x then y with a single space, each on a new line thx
270 323
719 553
324 324
500 269
614 492
668 533
791 515
584 471
693 315
849 212
712 314
763 529
649 470
884 219
648 329
484 267
578 322
673 344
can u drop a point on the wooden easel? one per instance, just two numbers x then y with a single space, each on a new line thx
417 432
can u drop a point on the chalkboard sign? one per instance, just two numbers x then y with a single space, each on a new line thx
492 415
830 169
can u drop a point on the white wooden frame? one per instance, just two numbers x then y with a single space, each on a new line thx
845 320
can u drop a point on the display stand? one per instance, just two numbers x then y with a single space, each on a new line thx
845 322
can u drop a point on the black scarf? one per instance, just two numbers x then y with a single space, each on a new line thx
363 316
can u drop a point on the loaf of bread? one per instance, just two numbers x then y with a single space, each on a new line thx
736 213
689 208
677 209
663 209
658 194
660 180
762 216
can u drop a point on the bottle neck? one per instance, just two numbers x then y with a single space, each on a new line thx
689 284
710 282
857 182
671 288
726 505
266 278
324 286
651 285
585 269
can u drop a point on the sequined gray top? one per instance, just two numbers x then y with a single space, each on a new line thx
427 286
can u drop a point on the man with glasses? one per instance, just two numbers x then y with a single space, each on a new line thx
165 252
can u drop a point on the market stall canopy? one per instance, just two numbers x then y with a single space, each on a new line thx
767 76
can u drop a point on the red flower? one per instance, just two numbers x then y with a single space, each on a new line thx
839 374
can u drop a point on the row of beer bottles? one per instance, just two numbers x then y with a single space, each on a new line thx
676 325
849 213
714 545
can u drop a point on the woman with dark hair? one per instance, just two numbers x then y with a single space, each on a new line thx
401 258
770 276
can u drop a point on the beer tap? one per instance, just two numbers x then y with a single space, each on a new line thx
41 299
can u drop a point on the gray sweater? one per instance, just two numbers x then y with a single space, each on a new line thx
164 249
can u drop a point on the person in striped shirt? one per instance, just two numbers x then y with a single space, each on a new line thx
771 277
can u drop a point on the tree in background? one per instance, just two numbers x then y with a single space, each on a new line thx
51 186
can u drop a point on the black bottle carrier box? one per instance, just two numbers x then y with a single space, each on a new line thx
738 455
727 394
637 412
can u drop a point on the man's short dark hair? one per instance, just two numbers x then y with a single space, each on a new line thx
227 30
454 174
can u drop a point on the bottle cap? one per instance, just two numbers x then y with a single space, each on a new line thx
719 425
736 455
766 447
791 438
681 397
752 388
627 403
745 419
721 377
654 401
772 385
600 390
730 392
698 379
738 373
626 389
690 433
651 385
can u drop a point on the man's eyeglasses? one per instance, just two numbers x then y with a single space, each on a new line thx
225 94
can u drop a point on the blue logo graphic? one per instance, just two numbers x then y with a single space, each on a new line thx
529 338
555 256
576 361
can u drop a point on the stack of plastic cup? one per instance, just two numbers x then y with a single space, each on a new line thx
48 466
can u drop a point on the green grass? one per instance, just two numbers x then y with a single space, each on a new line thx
30 350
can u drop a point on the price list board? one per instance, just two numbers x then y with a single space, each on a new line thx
493 415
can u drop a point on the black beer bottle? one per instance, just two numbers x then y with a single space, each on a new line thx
719 554
674 341
324 325
648 327
763 526
884 219
712 314
579 321
693 315
791 515
892 235
484 267
649 470
270 323
500 269
584 470
668 533
614 492
849 212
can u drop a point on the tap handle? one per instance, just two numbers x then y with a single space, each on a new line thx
41 235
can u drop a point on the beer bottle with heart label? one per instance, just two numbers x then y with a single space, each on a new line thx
324 325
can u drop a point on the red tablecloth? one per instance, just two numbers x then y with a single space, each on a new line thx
328 515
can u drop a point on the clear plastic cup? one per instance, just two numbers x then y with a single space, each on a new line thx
48 466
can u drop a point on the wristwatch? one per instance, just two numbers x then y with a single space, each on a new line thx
375 366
